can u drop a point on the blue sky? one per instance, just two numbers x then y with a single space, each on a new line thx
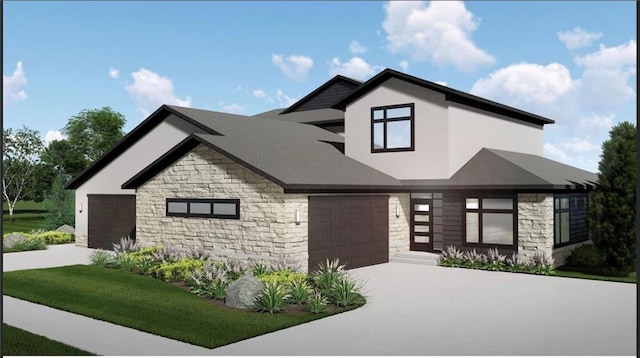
574 62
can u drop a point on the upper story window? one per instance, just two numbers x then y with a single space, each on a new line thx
392 128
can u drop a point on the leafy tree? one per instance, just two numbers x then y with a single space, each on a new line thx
60 156
93 132
59 203
612 211
20 156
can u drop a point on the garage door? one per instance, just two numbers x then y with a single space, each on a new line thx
111 217
354 229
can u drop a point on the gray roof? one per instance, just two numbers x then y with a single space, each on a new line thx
499 169
295 156
314 116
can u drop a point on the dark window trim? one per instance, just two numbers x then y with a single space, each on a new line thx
572 204
386 120
480 211
211 201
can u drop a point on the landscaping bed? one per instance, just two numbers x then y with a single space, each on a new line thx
34 240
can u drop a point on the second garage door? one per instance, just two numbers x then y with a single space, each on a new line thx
354 229
111 217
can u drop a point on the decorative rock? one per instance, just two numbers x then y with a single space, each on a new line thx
66 228
242 293
11 239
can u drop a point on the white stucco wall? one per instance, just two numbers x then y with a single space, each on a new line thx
109 180
430 158
472 129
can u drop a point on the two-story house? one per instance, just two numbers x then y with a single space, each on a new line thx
357 171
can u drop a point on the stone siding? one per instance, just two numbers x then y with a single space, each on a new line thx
535 224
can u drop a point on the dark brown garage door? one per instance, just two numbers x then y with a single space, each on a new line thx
354 229
111 217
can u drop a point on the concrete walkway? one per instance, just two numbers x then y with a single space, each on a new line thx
412 310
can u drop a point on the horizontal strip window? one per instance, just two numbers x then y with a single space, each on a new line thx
204 208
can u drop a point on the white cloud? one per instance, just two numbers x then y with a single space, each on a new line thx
622 56
356 48
284 100
259 93
404 65
295 67
234 108
578 38
150 90
437 31
53 135
579 145
13 86
524 84
114 73
356 68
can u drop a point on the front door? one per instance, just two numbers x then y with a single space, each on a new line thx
421 230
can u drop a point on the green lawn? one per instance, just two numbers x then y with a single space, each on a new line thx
143 303
16 342
591 274
27 216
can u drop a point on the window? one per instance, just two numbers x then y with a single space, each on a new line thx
570 219
204 208
490 221
392 128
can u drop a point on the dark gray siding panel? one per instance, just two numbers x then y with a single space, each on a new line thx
578 226
328 97
452 219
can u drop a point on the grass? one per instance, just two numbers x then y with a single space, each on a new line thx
27 216
143 303
591 274
16 342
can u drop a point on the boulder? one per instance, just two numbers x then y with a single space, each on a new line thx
67 228
242 293
11 239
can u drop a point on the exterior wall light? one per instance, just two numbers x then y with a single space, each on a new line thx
80 207
397 211
297 217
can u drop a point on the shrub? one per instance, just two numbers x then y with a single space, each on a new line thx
30 244
327 275
126 244
346 292
285 263
299 290
284 278
124 262
167 254
474 260
585 256
451 257
541 264
316 303
516 263
55 237
272 298
144 265
234 267
177 271
198 253
101 257
495 261
259 268
212 281
145 252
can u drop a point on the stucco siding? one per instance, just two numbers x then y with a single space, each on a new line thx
471 129
108 180
429 160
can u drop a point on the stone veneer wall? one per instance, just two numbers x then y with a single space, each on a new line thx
535 224
266 228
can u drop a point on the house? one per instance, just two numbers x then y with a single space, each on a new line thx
358 171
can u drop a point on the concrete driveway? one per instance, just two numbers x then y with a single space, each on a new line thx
412 310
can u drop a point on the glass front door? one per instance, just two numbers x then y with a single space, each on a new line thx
421 225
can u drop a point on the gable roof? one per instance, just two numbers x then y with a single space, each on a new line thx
308 159
326 95
450 95
499 169
129 139
314 116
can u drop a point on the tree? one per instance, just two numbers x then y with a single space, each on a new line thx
20 156
60 156
59 203
612 211
93 132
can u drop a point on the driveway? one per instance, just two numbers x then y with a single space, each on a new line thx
411 310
